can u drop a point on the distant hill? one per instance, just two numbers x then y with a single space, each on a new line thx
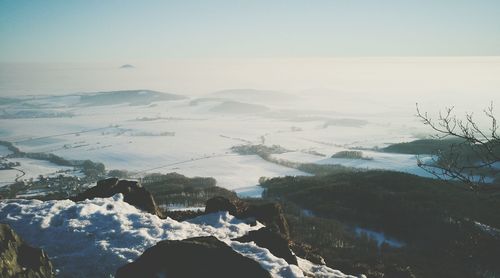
33 113
252 95
6 100
25 107
132 97
347 122
127 66
235 107
422 146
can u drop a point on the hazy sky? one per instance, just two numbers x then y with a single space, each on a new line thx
91 31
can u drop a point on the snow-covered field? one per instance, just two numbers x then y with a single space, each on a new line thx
33 169
193 136
8 176
376 160
94 237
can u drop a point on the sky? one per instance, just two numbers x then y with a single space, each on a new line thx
104 31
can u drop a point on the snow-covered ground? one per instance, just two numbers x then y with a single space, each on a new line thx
192 137
379 237
93 238
375 160
8 176
181 207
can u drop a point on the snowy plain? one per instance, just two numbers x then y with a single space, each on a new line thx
193 136
310 105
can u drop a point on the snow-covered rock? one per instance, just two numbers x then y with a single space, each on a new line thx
93 238
134 193
192 258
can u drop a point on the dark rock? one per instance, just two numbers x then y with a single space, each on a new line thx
269 214
182 215
132 191
395 271
275 242
17 259
193 257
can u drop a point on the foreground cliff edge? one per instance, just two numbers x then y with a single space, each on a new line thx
116 226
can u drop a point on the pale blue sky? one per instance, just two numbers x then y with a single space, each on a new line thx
124 30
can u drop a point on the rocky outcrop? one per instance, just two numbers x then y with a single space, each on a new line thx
306 251
223 204
193 257
17 259
269 214
275 242
132 191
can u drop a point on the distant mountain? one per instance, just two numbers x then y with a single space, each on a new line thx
132 97
127 66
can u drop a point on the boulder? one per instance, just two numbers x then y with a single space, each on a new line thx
17 259
269 214
132 191
275 242
193 257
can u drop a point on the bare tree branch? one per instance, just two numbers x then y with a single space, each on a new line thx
475 160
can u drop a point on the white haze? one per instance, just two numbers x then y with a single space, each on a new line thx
375 84
403 79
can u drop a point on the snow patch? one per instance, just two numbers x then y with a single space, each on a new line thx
320 271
